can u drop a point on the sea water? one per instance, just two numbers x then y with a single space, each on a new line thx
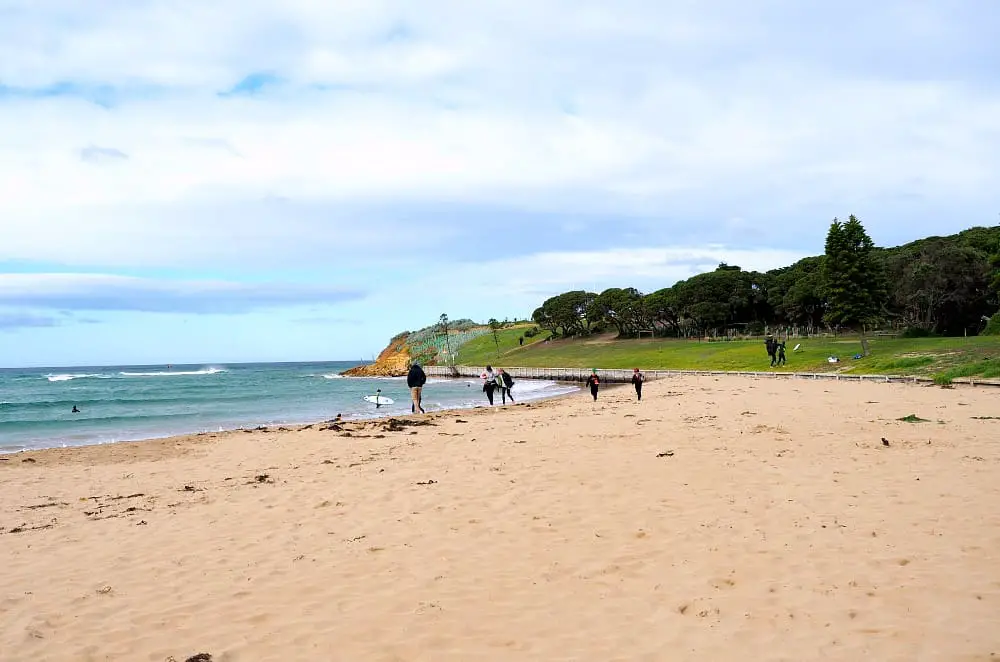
123 403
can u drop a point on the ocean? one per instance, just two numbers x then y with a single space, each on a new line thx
125 403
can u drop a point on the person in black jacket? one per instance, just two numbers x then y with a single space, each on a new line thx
506 384
416 379
637 379
594 383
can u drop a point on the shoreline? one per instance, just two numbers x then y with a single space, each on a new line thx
173 440
286 426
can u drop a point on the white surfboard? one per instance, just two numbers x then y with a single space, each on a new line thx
379 400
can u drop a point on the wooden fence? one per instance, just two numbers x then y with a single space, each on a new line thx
624 376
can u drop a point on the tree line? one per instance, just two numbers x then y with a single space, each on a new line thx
933 286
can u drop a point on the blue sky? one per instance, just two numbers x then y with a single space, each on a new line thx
221 182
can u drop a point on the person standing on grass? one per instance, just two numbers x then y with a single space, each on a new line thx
781 353
505 383
637 379
416 379
772 347
594 382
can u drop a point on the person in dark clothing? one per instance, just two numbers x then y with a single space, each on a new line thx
520 341
637 379
594 382
772 348
416 379
75 410
781 353
506 383
490 384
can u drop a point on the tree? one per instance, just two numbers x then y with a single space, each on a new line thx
495 326
995 264
852 277
447 341
567 311
939 286
622 308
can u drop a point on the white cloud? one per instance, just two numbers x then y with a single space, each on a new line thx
107 292
647 108
515 286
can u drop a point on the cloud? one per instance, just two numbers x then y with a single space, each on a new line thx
101 292
547 274
662 119
252 84
10 321
95 154
328 321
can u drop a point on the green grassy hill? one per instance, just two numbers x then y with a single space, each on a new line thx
943 358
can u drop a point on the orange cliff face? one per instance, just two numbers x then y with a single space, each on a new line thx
394 361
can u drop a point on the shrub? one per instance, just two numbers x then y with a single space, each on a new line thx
917 332
993 326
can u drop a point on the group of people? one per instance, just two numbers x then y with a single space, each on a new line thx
776 350
497 381
594 383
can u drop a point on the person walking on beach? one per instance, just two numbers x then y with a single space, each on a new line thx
416 379
490 384
505 382
637 379
594 382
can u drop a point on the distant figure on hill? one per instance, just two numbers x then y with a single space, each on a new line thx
637 379
490 384
772 347
594 382
416 379
520 341
75 410
781 353
505 383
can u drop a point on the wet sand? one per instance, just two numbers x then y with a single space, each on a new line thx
719 519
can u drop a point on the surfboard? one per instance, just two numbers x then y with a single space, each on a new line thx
379 400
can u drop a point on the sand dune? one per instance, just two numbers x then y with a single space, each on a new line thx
719 519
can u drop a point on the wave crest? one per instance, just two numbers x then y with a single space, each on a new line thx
173 373
69 377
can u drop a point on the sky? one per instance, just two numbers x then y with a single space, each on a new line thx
226 181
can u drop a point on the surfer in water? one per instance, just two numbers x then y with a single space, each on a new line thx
75 410
378 398
416 379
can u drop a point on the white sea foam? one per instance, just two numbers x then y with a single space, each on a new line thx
333 376
174 373
66 378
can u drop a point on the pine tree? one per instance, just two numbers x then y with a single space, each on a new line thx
854 280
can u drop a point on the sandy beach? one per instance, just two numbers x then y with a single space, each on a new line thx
719 519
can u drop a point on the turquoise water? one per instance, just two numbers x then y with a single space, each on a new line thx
121 403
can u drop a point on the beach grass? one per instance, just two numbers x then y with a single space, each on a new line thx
944 359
